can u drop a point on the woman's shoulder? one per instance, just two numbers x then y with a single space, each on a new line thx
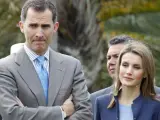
156 100
153 103
105 98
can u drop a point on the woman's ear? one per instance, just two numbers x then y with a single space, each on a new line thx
145 75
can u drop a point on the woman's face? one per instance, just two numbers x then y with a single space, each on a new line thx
131 70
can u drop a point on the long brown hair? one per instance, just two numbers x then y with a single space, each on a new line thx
147 84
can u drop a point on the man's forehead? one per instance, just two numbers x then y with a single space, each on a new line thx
115 49
32 14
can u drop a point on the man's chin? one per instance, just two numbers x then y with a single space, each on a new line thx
40 51
112 75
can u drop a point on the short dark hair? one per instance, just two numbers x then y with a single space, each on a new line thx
40 6
120 39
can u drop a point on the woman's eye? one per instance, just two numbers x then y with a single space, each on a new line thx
137 67
124 64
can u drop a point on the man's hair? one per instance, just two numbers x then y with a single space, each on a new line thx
39 6
120 39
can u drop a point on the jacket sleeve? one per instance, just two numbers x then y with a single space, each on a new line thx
12 109
81 96
97 111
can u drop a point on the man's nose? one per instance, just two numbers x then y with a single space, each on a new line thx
112 61
40 34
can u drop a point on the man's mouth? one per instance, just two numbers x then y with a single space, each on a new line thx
112 70
39 41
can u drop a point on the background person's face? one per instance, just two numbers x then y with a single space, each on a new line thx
38 29
131 70
112 56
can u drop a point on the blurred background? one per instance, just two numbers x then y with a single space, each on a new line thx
85 28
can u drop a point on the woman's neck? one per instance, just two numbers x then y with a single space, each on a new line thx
128 94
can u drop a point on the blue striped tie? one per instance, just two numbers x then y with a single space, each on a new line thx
43 75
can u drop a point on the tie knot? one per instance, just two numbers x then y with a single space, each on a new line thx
41 59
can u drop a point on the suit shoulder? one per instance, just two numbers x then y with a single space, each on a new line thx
157 89
102 92
153 103
65 57
7 60
104 99
156 104
107 96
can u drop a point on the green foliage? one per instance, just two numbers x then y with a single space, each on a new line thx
103 79
9 31
143 23
114 8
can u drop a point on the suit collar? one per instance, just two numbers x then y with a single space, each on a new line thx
29 75
56 74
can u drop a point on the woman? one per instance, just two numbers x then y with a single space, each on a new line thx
134 97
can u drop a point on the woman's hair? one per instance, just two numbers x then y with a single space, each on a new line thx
147 84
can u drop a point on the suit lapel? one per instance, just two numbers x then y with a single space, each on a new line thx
56 74
29 75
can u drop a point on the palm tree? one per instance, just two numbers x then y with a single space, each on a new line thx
79 34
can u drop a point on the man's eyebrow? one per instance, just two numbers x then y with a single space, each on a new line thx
112 54
115 55
45 25
33 23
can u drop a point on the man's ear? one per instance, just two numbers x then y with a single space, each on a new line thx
21 26
56 26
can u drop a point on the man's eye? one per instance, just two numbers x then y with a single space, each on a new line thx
116 56
108 57
45 26
33 25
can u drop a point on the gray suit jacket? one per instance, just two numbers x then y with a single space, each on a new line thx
157 90
19 81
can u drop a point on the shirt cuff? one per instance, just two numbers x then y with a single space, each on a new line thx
63 114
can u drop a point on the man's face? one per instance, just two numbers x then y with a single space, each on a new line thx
38 29
112 55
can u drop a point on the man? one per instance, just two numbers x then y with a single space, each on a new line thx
35 81
116 44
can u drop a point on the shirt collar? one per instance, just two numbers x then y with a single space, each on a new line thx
32 55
